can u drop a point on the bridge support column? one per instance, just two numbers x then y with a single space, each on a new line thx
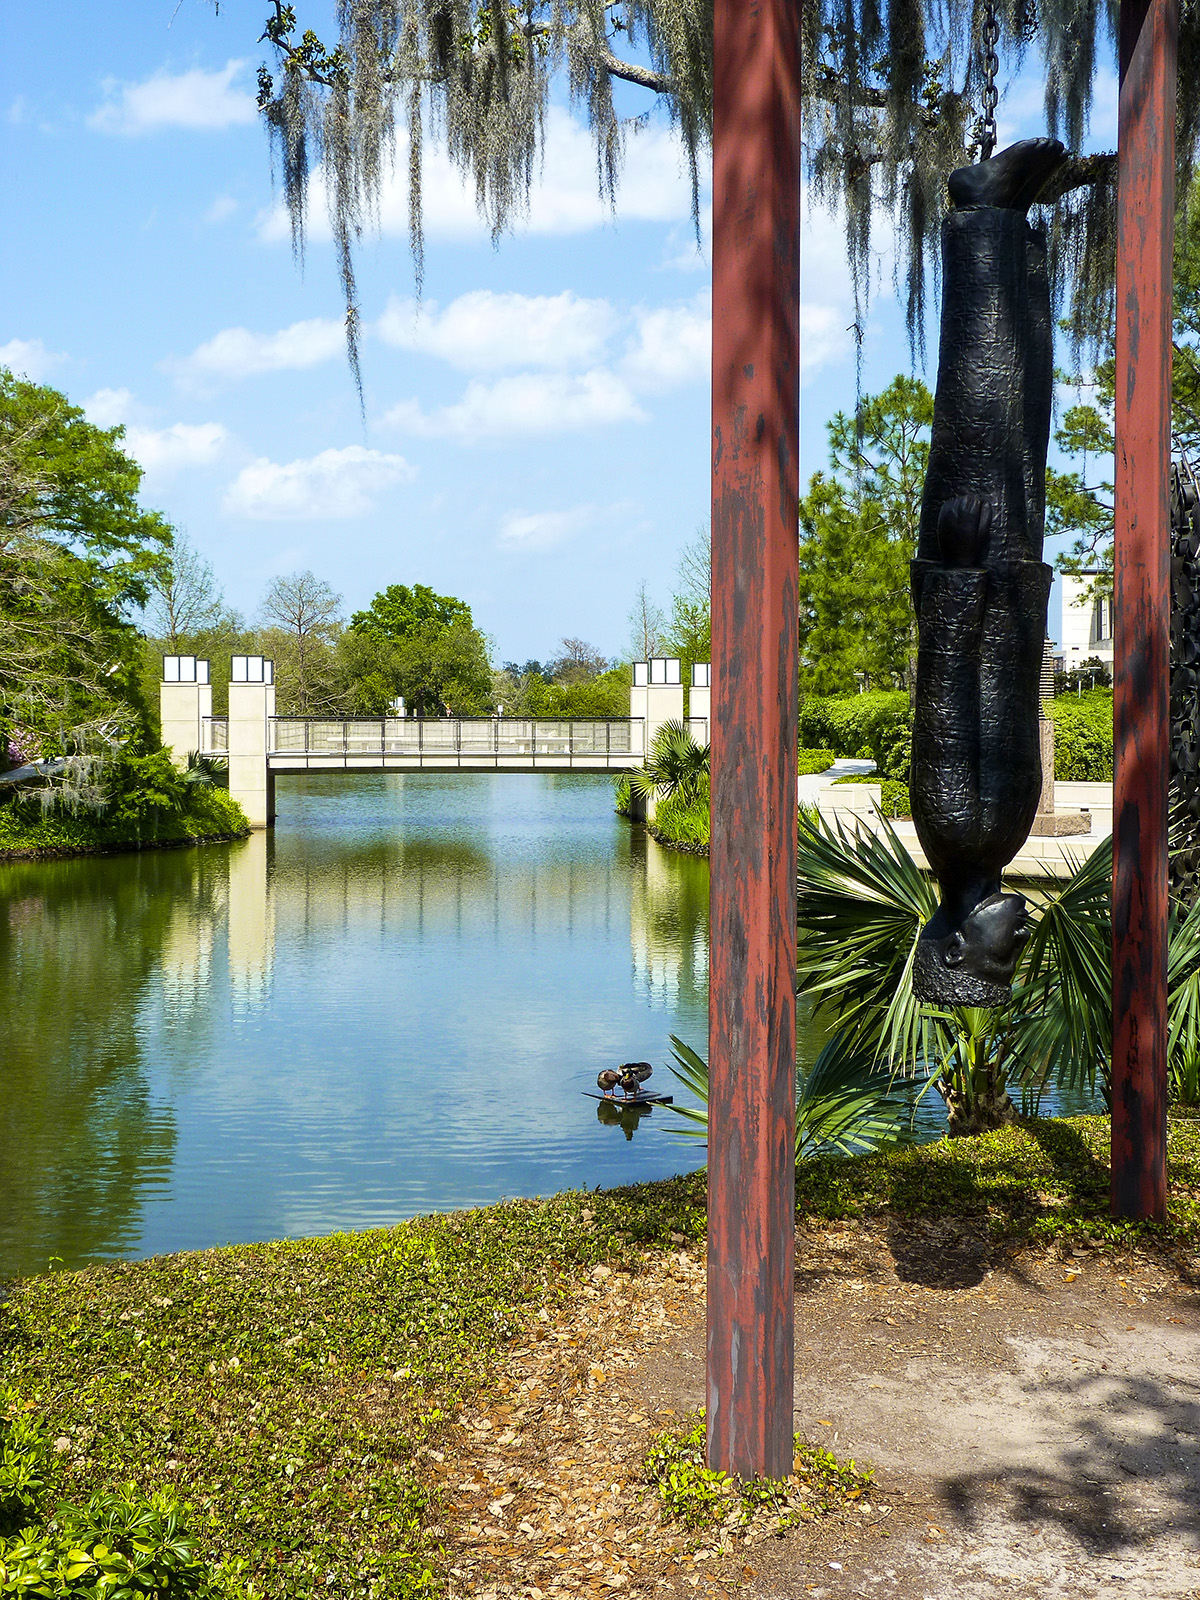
656 697
184 700
251 705
700 702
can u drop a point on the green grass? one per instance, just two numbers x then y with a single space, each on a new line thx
26 831
288 1392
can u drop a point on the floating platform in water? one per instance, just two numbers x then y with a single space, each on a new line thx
639 1099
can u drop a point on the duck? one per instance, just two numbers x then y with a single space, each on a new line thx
633 1075
608 1081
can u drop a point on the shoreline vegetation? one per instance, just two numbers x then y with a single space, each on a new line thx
357 1414
208 816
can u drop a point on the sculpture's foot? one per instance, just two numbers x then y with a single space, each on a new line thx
972 964
1012 180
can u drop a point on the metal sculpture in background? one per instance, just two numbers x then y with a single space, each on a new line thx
980 586
1185 686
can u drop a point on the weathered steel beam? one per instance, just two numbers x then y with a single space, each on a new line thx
1145 237
752 1026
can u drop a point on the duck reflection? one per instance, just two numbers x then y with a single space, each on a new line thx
614 1114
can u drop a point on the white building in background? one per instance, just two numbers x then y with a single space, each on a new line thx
1087 622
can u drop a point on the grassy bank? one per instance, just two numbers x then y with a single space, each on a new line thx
302 1397
208 814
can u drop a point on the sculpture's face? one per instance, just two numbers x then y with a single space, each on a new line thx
989 943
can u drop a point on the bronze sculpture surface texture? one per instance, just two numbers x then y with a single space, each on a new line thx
980 587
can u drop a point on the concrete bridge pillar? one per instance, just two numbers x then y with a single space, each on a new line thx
184 700
700 702
656 697
251 705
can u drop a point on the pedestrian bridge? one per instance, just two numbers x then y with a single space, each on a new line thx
259 746
402 744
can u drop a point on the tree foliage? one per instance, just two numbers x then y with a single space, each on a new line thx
858 534
892 97
77 554
418 644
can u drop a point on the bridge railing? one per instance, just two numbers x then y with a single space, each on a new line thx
454 736
214 735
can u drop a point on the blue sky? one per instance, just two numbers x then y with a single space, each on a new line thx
536 435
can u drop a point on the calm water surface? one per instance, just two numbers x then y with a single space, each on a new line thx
389 1005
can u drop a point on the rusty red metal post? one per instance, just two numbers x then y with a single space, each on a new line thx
1145 238
752 1026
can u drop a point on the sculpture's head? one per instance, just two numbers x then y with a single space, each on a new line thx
974 964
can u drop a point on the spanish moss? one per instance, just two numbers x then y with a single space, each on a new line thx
892 103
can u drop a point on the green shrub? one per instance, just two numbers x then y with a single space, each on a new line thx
114 1545
1083 737
866 726
809 762
623 796
683 822
207 813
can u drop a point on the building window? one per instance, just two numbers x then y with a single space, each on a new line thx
1102 620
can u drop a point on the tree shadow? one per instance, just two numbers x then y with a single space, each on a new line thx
1129 1476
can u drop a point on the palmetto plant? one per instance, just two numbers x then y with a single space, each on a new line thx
676 765
843 1104
862 903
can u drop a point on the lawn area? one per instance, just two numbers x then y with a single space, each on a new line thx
304 1398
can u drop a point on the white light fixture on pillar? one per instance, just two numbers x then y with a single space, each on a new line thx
251 669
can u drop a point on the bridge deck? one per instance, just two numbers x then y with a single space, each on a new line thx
512 744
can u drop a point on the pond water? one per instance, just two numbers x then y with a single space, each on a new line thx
389 1004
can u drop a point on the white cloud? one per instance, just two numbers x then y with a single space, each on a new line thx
158 450
238 353
673 345
526 403
107 407
184 444
654 188
222 208
485 332
542 530
30 358
333 484
197 100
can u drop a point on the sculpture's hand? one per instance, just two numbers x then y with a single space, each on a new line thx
964 529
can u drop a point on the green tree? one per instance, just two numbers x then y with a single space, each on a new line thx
398 612
858 533
78 554
415 643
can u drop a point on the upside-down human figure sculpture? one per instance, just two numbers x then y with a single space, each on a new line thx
980 587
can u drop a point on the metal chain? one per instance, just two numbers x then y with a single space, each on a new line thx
991 65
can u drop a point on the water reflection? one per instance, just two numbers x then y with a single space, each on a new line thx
615 1115
391 1004
87 1141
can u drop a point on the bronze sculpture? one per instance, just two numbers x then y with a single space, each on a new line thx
980 587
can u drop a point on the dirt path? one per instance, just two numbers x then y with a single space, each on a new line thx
1034 1430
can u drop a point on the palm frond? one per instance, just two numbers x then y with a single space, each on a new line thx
845 1104
1063 995
1183 1003
861 904
675 764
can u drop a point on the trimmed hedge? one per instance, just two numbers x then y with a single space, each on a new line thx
207 814
810 762
1083 737
876 726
